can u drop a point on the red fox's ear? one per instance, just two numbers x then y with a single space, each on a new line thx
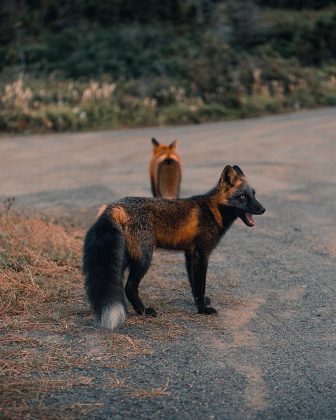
238 171
173 145
229 177
155 143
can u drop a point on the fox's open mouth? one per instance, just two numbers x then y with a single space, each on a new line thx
247 218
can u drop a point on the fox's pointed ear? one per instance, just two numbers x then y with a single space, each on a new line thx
173 145
229 177
238 171
155 143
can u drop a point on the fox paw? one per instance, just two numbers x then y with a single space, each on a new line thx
150 312
207 310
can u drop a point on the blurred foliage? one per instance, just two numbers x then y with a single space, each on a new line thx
161 62
144 38
296 4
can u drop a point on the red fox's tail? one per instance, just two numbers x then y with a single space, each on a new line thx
103 265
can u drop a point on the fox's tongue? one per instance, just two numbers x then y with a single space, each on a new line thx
249 218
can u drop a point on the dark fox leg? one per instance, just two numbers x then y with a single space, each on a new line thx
189 265
137 270
154 187
200 266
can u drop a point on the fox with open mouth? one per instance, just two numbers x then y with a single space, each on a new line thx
127 231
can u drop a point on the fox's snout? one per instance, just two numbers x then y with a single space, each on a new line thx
257 208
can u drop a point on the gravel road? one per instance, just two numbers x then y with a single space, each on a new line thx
271 351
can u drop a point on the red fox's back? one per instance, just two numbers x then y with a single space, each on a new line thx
169 178
165 170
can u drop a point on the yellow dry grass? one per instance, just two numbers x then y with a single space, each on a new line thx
47 333
149 393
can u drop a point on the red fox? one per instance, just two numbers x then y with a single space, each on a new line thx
165 170
127 231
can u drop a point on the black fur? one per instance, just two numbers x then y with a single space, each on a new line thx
103 265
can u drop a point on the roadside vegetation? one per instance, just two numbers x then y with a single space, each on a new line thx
88 65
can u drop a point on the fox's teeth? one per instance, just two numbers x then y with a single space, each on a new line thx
249 217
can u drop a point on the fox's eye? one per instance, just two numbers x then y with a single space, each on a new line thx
242 197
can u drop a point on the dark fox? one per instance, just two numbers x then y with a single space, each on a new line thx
127 231
165 170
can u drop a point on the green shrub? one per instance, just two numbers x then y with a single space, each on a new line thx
266 85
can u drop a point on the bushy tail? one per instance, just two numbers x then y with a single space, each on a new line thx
103 263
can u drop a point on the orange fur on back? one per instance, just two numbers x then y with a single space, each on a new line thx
169 184
178 234
119 214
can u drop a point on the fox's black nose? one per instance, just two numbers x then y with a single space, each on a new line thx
257 208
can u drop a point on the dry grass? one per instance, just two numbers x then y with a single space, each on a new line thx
149 393
47 333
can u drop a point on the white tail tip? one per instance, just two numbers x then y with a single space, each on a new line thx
112 316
